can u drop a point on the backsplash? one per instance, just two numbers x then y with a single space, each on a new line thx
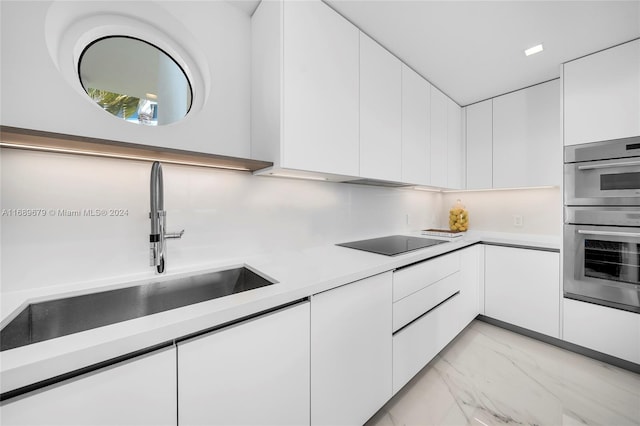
225 214
540 210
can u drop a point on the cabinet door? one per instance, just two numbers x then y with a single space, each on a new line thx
470 284
602 95
522 287
351 351
380 118
454 146
603 329
439 129
416 103
256 372
479 163
527 147
137 392
321 103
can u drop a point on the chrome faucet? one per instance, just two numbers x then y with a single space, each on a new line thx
158 217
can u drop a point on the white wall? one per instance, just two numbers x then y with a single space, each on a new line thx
225 214
37 95
541 210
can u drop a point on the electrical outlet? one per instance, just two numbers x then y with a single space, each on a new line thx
518 222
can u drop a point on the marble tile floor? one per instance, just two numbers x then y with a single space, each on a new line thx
490 376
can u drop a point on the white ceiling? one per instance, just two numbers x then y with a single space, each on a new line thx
473 50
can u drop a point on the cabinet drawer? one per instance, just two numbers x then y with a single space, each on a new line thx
409 280
611 331
411 307
415 345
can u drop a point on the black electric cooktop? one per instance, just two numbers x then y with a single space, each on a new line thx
392 245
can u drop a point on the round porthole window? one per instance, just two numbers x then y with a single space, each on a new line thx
135 81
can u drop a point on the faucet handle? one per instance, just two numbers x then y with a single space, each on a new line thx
174 234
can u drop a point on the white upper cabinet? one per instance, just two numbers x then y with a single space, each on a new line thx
305 94
416 136
327 99
380 112
527 150
479 164
455 149
513 140
439 130
602 95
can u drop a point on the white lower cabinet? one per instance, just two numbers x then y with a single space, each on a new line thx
137 392
252 373
522 287
351 351
470 259
607 330
427 319
416 344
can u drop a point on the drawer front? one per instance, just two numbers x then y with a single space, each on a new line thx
611 331
411 307
414 278
415 345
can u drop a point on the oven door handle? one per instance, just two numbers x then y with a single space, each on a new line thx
609 165
610 233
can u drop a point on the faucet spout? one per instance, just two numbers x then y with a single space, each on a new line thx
158 217
157 197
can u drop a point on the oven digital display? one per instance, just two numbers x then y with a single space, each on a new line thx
617 181
612 260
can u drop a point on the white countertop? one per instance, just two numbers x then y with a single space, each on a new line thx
300 274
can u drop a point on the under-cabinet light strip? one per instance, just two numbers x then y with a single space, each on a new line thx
497 189
419 188
286 175
120 156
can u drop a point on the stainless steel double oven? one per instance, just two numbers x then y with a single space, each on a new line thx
602 223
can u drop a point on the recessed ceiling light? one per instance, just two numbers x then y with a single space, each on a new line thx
533 50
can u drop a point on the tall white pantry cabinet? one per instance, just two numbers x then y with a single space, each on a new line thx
601 99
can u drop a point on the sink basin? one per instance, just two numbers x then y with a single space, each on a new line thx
54 318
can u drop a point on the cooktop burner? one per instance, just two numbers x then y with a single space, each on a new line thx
392 245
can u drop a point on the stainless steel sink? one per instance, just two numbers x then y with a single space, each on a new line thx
54 318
